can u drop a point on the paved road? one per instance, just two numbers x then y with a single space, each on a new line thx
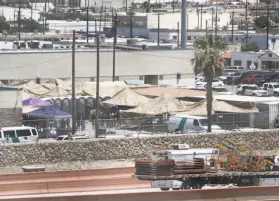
124 191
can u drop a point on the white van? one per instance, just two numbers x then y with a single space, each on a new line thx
189 124
66 137
24 134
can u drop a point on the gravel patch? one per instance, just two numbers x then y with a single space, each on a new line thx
102 164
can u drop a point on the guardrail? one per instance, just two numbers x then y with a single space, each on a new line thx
267 193
66 175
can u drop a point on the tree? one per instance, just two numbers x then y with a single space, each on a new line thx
250 47
208 56
4 26
261 22
145 5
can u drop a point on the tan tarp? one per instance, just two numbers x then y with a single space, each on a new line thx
160 105
200 108
60 88
127 97
106 89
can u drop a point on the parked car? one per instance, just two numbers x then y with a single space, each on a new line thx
272 88
203 83
268 78
254 90
249 79
237 77
224 76
233 68
261 78
240 89
221 91
66 137
199 76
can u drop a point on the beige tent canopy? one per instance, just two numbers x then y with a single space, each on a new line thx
106 89
127 97
200 109
160 105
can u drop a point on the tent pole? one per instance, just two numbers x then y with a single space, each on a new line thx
73 86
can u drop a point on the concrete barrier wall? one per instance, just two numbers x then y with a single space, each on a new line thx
264 193
110 149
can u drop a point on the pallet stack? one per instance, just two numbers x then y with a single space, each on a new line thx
156 168
195 165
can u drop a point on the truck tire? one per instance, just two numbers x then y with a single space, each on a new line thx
276 94
164 189
176 189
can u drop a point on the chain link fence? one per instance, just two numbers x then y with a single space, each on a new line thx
143 126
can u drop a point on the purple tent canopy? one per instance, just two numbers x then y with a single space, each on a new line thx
36 102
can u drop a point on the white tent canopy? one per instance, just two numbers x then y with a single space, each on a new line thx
127 97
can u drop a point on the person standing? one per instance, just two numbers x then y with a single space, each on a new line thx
83 122
78 119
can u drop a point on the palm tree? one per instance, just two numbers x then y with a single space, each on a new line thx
208 58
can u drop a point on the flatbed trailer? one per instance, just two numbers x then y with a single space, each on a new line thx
197 181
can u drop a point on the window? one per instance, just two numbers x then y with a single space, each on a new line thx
174 37
194 37
23 133
269 54
34 132
195 123
270 87
9 134
189 38
59 138
237 63
236 38
273 40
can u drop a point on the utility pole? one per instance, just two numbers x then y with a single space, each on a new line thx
197 12
178 34
73 85
131 25
100 17
201 17
31 11
246 20
232 25
216 20
212 27
126 7
45 16
19 21
206 28
87 24
183 24
97 88
158 30
114 46
257 7
267 27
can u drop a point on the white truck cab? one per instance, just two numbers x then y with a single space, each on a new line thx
189 124
272 88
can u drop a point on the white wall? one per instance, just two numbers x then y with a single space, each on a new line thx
170 20
10 98
163 36
64 26
57 64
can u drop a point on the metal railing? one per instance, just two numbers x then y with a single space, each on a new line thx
145 126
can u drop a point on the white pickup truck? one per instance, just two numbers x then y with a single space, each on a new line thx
272 88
